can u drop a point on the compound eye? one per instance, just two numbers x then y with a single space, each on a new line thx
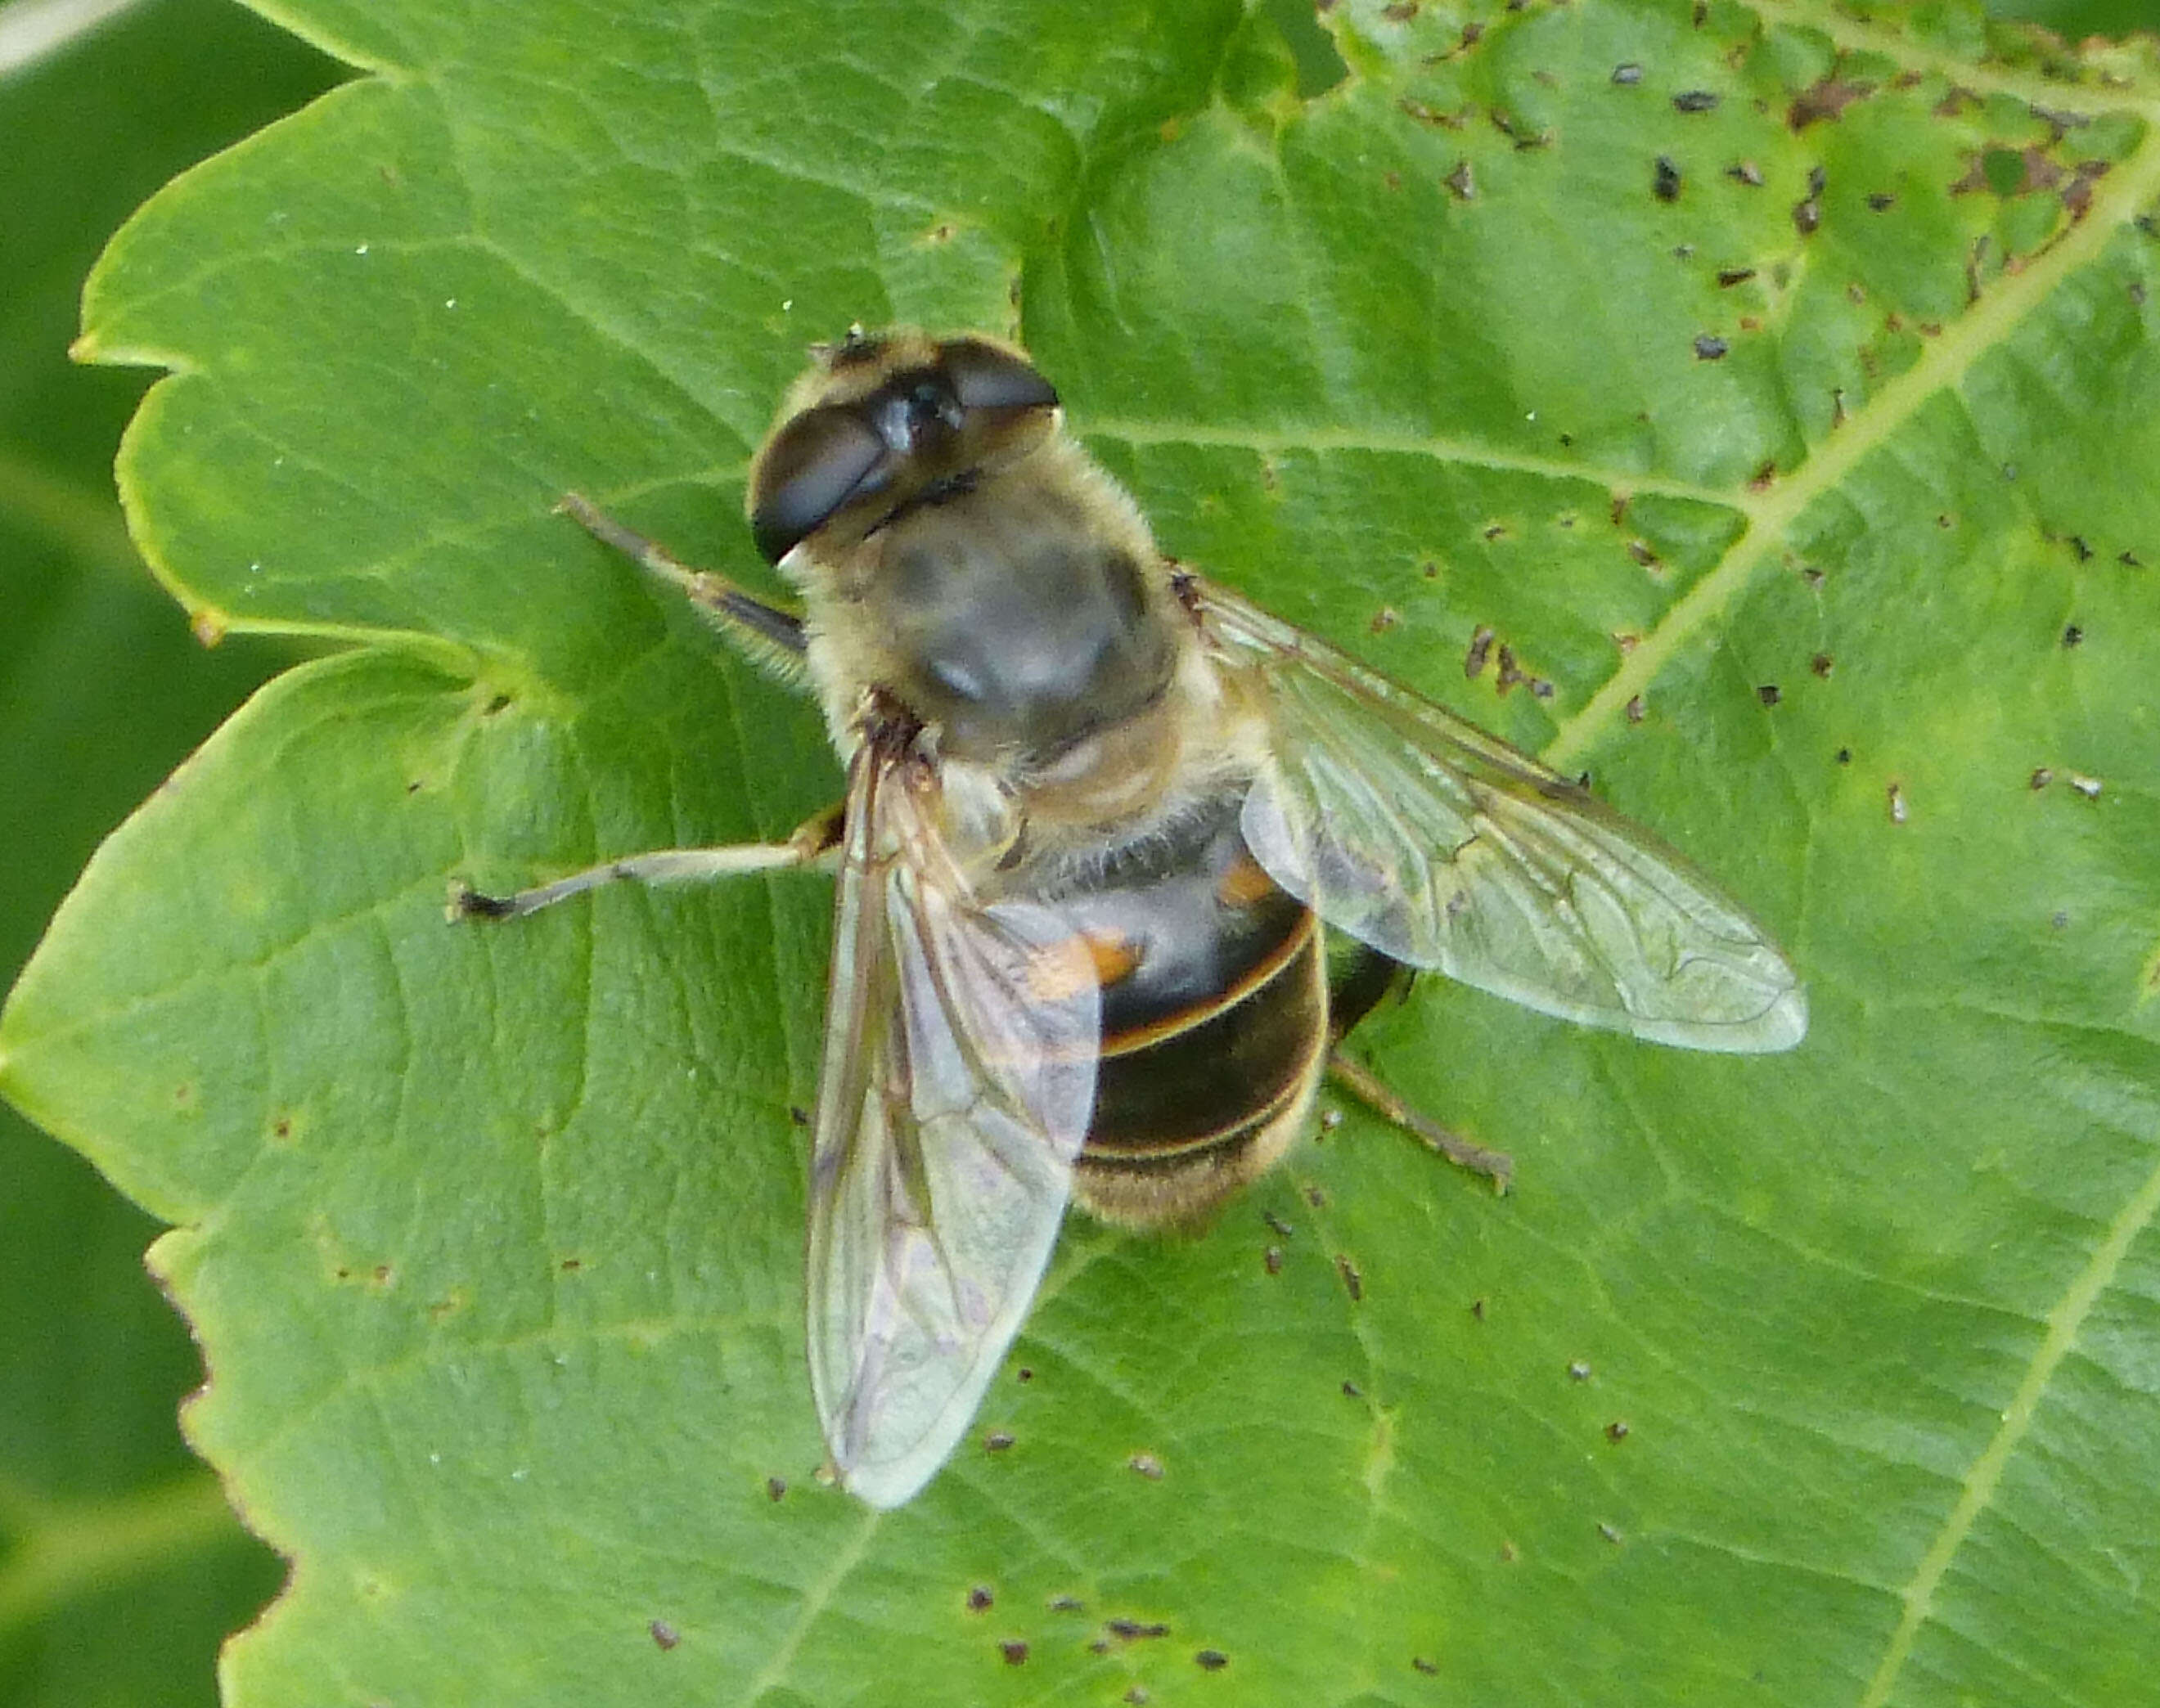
983 376
818 462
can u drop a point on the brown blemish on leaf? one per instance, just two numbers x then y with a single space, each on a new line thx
1353 1282
1578 1371
1510 671
1351 1390
997 1440
1210 1660
1384 619
1665 179
1897 799
1824 101
1696 100
1616 1431
1628 75
1636 711
1462 182
665 1636
1769 694
1271 1260
979 1599
1426 114
1746 172
1134 1631
1709 347
1316 1197
2042 776
1821 664
775 1488
1728 277
1481 647
1014 1650
1146 1465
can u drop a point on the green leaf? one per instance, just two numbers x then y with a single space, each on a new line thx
1811 470
121 1567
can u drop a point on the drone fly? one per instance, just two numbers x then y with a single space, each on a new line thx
1121 858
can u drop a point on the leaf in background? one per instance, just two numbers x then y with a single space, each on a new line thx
1774 386
121 1570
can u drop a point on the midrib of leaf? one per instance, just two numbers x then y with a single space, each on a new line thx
69 1549
1855 35
1979 1486
1942 366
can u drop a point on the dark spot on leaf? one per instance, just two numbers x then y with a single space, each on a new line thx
1495 531
414 787
1210 1660
979 1599
1825 99
1610 1533
281 1127
2073 634
798 1114
1428 116
1665 180
1138 1696
1696 101
1728 277
1746 172
1384 619
1617 1430
1641 552
1945 520
1881 201
1272 1260
2129 560
1807 215
1635 709
664 1634
1540 689
1393 180
775 1488
1708 347
1014 1650
1351 1390
1510 673
1066 1604
1133 1631
1277 1222
2041 777
1401 12
1428 1669
1330 1119
571 1265
1023 1374
1763 478
1429 570
998 1440
500 703
1463 181
2060 919
1316 1196
1353 1283
1578 1371
1477 1310
1812 576
1769 694
1147 1465
1844 755
1628 75
1821 664
2083 550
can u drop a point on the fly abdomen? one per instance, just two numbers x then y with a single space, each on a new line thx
1214 1020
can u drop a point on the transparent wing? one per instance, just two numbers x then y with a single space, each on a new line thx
1444 848
957 1083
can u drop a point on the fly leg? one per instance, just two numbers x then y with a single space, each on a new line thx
766 635
812 838
1362 1084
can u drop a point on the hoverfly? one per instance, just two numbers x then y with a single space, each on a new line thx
1102 819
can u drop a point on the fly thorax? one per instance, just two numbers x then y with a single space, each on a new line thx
1014 626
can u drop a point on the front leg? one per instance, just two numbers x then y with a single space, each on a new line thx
811 838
